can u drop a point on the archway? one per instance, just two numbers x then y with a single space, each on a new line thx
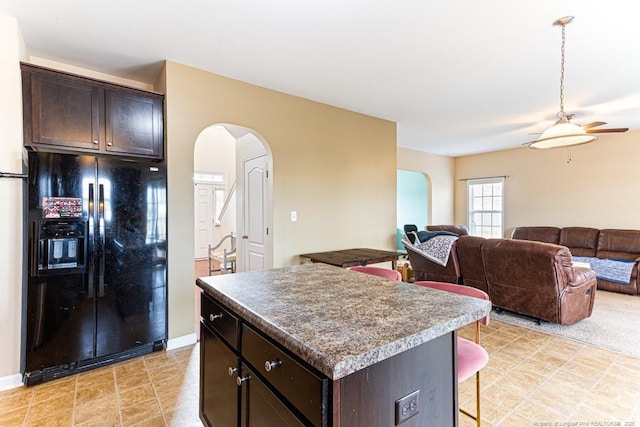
221 154
412 201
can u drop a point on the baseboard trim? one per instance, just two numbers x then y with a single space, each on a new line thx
182 341
15 380
10 381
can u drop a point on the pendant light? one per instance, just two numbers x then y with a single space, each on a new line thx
563 133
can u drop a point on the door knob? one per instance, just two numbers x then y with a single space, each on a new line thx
232 371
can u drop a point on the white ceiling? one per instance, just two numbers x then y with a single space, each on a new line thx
458 76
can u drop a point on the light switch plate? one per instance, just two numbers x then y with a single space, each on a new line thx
294 216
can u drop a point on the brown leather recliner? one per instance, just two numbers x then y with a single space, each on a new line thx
460 230
539 234
581 241
538 280
614 244
622 245
425 269
470 262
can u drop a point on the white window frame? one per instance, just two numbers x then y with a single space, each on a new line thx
476 229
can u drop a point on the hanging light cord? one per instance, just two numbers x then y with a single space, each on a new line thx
561 114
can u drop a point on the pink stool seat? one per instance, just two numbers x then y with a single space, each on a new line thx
378 271
471 358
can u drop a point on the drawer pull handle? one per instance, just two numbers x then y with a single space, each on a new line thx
213 317
232 371
239 380
268 366
96 142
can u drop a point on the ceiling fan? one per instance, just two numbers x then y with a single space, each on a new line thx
589 127
563 133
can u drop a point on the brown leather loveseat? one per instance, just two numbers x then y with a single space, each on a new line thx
425 269
531 278
606 244
537 280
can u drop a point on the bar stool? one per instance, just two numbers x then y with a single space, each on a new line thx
378 271
471 355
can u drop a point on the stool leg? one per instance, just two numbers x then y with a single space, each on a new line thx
477 417
478 398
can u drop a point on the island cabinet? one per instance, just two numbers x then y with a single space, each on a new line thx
67 112
247 379
318 345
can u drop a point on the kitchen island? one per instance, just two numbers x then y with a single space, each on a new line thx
319 345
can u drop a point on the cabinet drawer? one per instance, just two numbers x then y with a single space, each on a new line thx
220 320
305 390
264 408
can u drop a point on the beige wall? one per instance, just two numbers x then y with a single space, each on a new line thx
336 168
11 52
597 188
440 179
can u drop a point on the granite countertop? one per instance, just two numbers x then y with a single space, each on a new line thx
337 320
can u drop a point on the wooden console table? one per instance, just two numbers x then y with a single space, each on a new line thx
352 257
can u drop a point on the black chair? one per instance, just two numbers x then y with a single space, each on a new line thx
408 229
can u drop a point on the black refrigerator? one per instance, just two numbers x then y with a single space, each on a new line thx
97 262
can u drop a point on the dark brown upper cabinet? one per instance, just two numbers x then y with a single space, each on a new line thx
69 112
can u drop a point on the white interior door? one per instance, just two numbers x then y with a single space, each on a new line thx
204 209
255 210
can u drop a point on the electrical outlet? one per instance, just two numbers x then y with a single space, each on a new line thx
407 407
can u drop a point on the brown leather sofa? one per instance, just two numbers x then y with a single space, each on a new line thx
531 278
425 269
471 266
595 243
538 280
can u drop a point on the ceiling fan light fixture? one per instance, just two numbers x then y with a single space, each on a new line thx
562 134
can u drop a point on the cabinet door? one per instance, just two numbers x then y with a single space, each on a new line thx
134 123
219 393
261 407
62 111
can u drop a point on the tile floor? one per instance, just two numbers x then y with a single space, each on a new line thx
532 379
536 379
160 389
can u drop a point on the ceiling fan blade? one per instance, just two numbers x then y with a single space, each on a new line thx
607 130
593 125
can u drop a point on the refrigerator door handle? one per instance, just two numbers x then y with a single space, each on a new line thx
101 238
91 261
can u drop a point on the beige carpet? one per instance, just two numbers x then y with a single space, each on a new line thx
614 323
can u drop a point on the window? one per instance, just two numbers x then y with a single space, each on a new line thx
486 207
210 177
